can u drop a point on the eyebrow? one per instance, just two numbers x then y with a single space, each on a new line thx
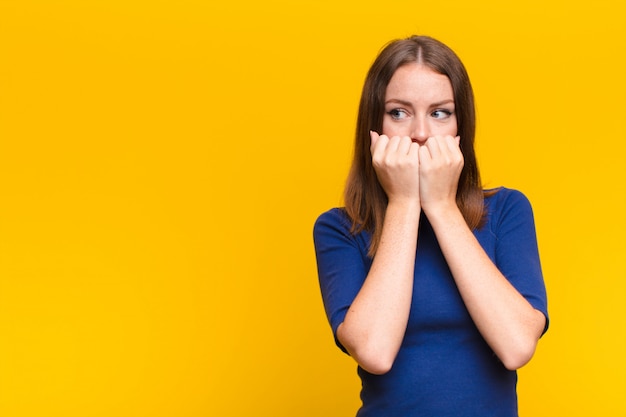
406 103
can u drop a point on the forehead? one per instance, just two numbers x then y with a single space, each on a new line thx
414 81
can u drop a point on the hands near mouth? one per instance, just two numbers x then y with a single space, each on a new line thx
427 172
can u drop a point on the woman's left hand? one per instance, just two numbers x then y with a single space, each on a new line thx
441 163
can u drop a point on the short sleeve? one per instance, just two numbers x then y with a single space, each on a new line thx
517 253
342 264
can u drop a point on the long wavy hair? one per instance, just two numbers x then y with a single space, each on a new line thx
365 199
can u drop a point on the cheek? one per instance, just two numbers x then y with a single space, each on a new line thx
445 130
450 129
393 129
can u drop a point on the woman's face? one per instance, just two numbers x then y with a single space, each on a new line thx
419 103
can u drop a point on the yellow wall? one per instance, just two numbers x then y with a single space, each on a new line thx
162 163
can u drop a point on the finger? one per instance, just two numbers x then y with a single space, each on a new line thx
449 145
379 144
453 147
424 155
434 147
393 144
414 148
453 142
374 138
404 145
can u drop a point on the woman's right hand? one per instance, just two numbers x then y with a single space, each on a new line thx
396 162
376 322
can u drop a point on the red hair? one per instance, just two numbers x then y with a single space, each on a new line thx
365 199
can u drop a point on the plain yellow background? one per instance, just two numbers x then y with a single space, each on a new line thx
162 164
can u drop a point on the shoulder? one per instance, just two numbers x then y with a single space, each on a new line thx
335 226
503 198
507 206
335 218
335 215
333 221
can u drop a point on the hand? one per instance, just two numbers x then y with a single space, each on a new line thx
440 166
396 163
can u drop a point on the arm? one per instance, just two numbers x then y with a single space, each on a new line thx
376 321
506 320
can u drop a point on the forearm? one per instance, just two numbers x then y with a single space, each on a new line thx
375 324
506 320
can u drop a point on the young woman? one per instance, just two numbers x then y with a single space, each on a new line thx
430 283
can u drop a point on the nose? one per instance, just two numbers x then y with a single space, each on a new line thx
419 130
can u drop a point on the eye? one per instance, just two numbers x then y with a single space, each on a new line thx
397 114
441 114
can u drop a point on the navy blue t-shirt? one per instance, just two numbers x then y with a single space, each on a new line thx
444 366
